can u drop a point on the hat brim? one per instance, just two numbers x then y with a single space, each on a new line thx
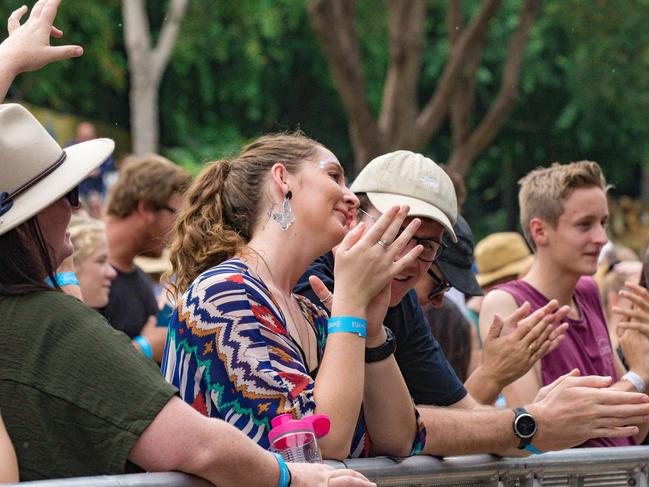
460 278
418 208
81 159
511 269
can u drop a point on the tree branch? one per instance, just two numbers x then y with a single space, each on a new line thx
333 22
454 21
399 106
431 117
462 158
137 35
168 34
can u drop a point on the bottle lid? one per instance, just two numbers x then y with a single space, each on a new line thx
318 424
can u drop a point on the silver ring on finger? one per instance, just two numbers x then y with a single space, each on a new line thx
328 298
383 244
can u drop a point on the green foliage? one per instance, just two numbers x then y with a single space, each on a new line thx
243 68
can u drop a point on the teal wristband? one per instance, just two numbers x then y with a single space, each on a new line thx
145 345
284 472
63 279
347 324
534 450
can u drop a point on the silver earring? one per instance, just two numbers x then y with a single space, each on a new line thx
285 217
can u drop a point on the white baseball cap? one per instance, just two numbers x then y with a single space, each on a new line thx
407 178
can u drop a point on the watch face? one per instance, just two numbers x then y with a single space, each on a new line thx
525 426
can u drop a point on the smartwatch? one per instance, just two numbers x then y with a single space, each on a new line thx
524 429
382 352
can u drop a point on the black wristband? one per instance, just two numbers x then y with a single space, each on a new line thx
382 352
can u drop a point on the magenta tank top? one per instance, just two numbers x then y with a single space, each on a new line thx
587 345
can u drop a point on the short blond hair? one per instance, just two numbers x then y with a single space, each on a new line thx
151 179
86 235
544 191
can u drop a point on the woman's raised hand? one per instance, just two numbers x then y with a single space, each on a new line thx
367 260
28 46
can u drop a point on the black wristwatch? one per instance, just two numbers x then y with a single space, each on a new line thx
524 427
382 352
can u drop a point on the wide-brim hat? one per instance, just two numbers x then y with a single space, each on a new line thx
501 255
456 261
407 178
34 170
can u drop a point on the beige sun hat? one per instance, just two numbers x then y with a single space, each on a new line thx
407 178
500 255
34 170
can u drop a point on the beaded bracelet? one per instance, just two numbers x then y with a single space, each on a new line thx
347 324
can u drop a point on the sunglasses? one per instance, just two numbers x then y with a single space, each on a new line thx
441 285
73 197
432 248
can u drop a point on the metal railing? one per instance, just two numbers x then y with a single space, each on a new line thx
610 467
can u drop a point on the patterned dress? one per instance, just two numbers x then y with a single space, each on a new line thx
229 353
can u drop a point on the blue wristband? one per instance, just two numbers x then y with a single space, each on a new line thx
63 279
534 450
347 324
144 344
284 472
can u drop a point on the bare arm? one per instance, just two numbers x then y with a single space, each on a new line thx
568 412
182 439
344 380
28 46
8 461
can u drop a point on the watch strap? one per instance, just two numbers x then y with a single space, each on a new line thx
376 354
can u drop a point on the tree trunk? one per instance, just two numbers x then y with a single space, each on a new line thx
146 67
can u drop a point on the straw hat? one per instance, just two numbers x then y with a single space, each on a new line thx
500 255
34 170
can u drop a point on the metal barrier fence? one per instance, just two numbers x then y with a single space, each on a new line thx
610 467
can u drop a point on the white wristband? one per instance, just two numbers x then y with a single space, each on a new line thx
636 380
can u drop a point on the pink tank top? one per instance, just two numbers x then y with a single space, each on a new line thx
586 346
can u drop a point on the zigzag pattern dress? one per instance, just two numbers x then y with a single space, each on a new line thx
231 357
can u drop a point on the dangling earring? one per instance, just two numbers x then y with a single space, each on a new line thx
285 217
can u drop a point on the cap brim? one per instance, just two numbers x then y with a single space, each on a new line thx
512 269
81 159
460 278
384 201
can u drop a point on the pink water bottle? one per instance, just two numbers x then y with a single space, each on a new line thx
297 439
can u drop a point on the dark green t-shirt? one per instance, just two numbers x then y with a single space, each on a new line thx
75 394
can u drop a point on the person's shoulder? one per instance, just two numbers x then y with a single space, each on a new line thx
499 297
230 276
587 285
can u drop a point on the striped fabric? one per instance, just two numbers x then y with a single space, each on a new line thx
231 357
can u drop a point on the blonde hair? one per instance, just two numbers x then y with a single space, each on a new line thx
151 179
544 191
223 204
86 235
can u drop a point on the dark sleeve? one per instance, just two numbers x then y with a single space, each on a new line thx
89 391
323 268
428 374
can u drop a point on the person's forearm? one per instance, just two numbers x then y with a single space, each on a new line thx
483 430
388 409
8 462
482 386
7 74
338 391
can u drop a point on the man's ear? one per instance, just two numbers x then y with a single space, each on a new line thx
539 231
145 212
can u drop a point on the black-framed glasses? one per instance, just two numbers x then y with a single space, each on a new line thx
441 285
73 197
432 248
